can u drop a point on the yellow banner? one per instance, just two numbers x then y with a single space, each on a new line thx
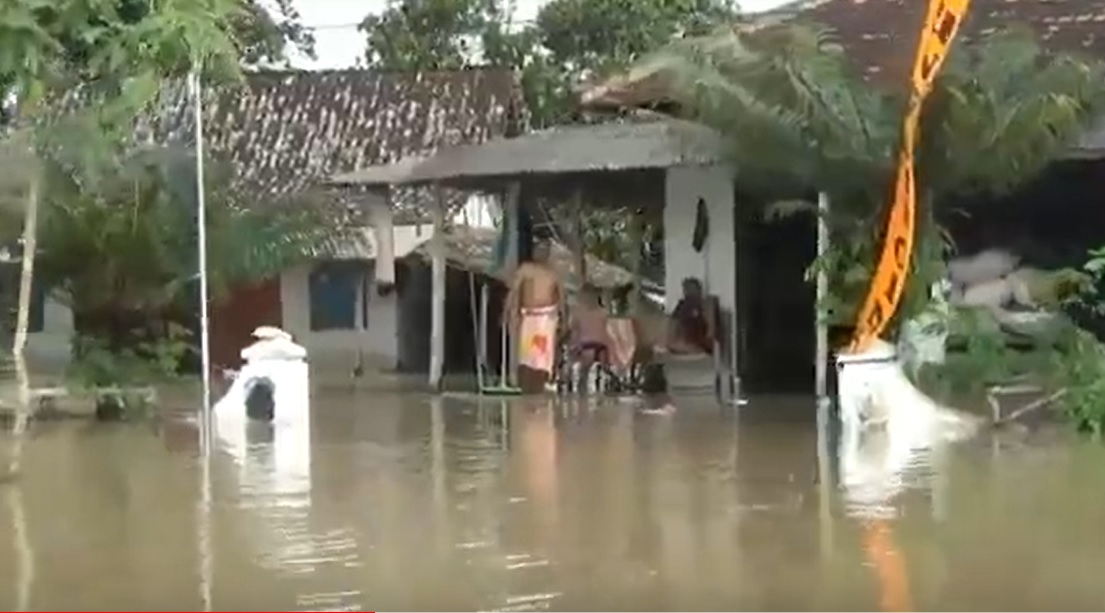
941 24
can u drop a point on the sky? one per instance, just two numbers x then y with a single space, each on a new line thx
339 44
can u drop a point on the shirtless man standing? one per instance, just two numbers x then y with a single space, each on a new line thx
533 306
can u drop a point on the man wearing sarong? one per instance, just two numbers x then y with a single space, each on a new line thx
533 306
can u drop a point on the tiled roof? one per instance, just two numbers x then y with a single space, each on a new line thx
880 36
285 133
613 146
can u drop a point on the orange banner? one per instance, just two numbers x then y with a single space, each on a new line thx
941 24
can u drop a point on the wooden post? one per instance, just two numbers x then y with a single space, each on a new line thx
821 384
511 202
437 310
380 213
637 240
579 246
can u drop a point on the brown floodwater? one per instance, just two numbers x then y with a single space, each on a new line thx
408 503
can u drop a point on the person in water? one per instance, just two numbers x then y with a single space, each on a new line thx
533 305
691 328
590 334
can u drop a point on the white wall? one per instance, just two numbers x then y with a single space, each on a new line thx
716 265
49 351
338 350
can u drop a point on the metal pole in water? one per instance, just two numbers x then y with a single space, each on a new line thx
822 354
821 385
201 235
206 542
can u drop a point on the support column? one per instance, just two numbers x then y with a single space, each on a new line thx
821 384
579 246
511 211
383 223
437 310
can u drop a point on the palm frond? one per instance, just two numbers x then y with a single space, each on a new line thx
786 98
1004 110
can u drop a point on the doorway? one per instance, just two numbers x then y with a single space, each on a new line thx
776 305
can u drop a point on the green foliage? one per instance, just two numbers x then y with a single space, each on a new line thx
1080 368
797 115
980 356
264 35
1083 366
127 241
97 364
569 40
1060 356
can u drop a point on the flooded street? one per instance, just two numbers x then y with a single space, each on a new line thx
403 503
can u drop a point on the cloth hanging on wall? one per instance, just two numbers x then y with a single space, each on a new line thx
525 234
508 230
701 226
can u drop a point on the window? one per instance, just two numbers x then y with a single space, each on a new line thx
336 295
36 321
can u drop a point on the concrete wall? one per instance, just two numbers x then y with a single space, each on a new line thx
337 350
716 264
48 351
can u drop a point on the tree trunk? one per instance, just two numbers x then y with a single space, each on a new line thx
26 278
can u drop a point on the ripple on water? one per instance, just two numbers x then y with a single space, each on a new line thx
404 506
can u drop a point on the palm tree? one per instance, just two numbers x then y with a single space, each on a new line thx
797 115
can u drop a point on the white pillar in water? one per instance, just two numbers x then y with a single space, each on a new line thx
437 310
821 383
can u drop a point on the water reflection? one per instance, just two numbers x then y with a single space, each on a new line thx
407 503
21 546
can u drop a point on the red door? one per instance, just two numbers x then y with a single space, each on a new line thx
233 321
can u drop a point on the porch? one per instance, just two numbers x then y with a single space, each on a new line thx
667 168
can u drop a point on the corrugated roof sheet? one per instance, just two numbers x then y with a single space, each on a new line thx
285 133
880 36
360 243
472 249
627 145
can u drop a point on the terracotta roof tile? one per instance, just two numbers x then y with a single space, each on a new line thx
286 130
880 36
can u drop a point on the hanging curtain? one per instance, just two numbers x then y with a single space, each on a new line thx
701 226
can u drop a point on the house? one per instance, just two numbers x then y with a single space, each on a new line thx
668 165
879 38
331 304
284 134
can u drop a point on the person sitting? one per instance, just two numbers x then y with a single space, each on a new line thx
590 337
691 328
